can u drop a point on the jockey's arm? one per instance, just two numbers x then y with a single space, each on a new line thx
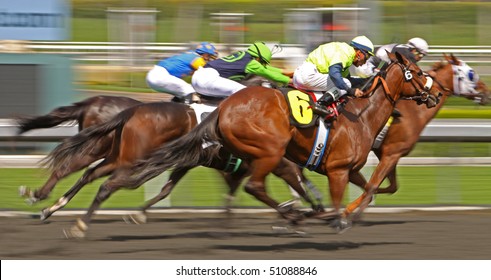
268 72
335 75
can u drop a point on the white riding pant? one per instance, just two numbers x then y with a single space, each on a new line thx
159 79
207 81
307 77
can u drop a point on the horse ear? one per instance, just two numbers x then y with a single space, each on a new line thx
391 56
455 60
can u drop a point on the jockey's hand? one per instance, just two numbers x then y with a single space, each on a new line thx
359 93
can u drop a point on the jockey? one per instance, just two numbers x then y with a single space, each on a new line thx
168 74
219 78
327 69
414 50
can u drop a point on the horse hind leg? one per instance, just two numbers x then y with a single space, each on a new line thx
34 196
256 187
141 216
292 175
79 230
102 169
233 181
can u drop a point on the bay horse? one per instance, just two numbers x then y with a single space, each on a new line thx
254 124
403 133
94 111
88 112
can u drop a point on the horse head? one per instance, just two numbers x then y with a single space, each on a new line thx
466 81
417 85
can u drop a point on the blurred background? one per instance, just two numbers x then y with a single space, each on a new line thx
55 52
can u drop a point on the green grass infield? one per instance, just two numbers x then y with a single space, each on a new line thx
203 187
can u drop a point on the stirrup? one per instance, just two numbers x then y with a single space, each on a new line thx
324 112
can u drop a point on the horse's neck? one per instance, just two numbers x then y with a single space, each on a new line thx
380 107
445 77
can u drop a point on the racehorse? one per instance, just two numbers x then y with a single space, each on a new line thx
93 111
254 124
452 76
139 130
89 112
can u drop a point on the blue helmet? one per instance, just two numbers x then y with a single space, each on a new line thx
207 48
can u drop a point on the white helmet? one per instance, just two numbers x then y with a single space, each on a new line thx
419 44
363 43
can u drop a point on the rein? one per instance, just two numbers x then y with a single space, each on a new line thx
408 77
380 79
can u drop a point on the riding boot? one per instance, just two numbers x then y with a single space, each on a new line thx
320 107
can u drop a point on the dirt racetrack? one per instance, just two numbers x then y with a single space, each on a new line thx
411 235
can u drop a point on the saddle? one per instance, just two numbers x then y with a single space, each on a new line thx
210 100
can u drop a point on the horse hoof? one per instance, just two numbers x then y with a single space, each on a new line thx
28 195
138 219
45 213
286 206
73 233
77 231
341 225
24 191
31 201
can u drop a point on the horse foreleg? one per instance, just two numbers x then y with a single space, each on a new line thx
338 179
380 173
392 188
358 179
312 188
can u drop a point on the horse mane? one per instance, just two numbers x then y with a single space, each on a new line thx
439 65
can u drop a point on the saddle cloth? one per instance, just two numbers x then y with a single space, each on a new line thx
301 104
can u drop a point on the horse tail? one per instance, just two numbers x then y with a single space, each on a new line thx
198 147
57 116
85 141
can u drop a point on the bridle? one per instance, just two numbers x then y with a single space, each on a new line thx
422 91
423 95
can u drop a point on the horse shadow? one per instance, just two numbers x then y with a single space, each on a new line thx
319 246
